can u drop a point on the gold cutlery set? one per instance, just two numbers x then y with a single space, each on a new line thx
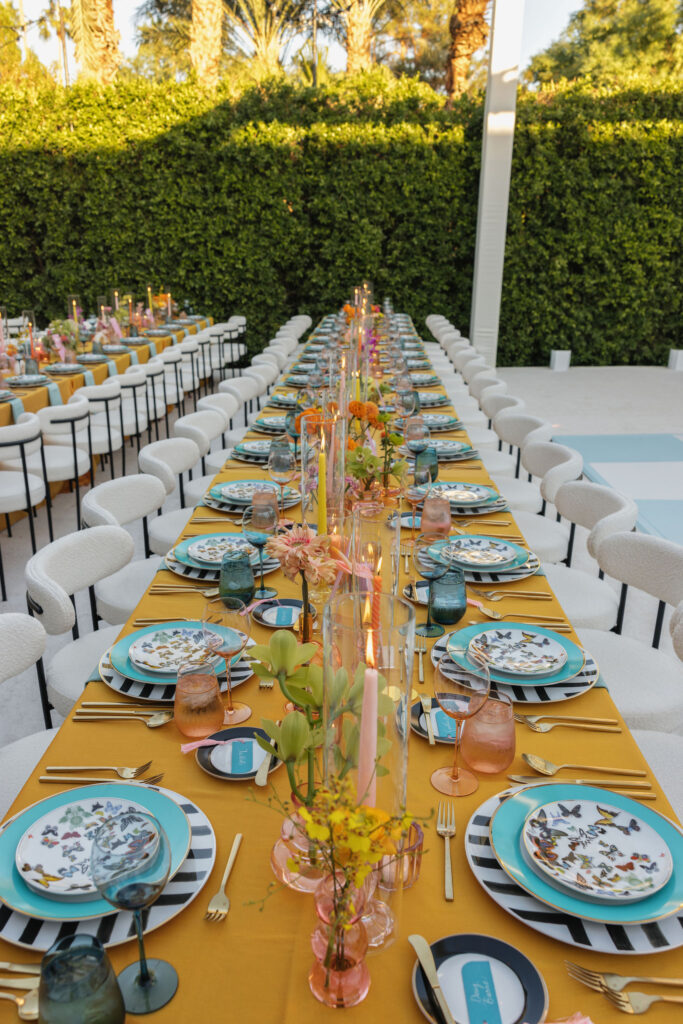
612 988
59 773
149 714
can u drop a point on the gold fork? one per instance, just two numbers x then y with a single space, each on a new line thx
220 904
637 1002
153 780
124 773
549 726
491 613
599 981
533 719
445 827
405 551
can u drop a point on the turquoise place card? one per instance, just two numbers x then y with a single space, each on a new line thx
480 993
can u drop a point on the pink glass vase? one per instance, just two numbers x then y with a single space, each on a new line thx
292 858
339 976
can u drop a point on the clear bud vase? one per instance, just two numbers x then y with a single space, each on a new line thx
368 649
339 976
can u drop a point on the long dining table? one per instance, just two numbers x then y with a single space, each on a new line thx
254 966
37 398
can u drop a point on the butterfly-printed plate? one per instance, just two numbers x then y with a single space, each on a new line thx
53 855
18 896
597 850
518 651
505 835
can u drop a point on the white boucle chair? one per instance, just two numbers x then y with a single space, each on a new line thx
155 373
203 427
646 683
663 751
22 641
589 602
53 575
261 379
167 460
555 464
116 503
21 491
244 390
229 405
104 403
515 429
279 352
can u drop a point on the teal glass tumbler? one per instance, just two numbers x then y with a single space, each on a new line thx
237 577
78 985
448 597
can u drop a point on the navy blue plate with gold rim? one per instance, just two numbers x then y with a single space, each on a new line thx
518 987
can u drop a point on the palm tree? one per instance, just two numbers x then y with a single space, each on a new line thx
469 31
206 40
96 39
358 18
261 29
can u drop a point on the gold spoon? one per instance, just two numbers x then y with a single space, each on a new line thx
539 764
27 1006
152 723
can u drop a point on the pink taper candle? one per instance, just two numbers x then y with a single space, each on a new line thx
366 791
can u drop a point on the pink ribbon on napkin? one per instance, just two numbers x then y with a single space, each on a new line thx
186 748
576 1018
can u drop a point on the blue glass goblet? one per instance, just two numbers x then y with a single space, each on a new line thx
237 577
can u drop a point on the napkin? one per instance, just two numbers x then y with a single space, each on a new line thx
576 1018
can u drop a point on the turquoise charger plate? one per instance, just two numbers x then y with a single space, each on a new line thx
180 553
118 655
485 495
521 554
216 491
576 656
16 894
505 834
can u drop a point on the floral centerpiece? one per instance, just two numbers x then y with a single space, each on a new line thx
301 552
351 840
61 337
372 448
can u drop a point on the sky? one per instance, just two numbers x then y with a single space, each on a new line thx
544 20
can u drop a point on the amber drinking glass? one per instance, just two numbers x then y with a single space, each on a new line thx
198 708
231 617
460 695
488 740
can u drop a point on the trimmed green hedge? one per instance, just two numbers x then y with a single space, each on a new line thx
278 200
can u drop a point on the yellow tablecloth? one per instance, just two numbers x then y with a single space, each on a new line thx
253 968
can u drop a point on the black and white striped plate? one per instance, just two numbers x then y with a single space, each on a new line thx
552 694
656 937
254 460
234 510
164 693
117 928
500 505
211 575
509 576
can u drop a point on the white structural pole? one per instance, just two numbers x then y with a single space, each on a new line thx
494 181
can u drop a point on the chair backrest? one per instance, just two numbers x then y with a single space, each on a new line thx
243 388
22 642
513 426
57 419
487 380
649 563
554 463
168 458
202 427
98 395
676 629
171 355
491 402
473 367
259 375
122 501
70 564
597 508
228 405
464 356
25 433
278 352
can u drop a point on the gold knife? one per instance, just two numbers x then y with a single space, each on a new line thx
25 983
581 782
6 965
426 958
427 709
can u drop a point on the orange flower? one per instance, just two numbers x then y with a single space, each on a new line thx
351 444
357 409
371 411
297 421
